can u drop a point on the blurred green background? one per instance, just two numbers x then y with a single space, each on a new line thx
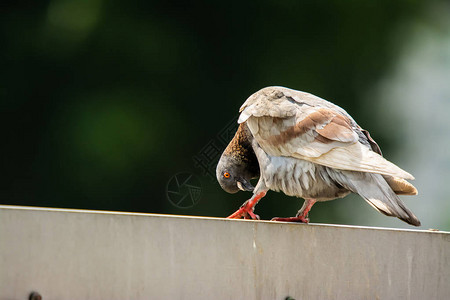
103 102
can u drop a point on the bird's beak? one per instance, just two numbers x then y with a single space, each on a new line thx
245 185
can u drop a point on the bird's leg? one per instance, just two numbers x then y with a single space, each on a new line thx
302 215
246 210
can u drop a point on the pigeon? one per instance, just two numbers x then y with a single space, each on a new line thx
307 147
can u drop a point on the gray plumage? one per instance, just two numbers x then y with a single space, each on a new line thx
308 147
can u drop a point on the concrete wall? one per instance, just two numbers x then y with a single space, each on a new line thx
70 254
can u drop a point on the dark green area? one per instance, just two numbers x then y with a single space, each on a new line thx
104 101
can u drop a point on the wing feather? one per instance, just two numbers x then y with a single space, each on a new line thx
297 124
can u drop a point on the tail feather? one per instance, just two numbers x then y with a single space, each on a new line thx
400 186
379 194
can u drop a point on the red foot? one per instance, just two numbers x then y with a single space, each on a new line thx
300 219
302 213
243 214
246 210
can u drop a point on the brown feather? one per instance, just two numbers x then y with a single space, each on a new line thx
240 145
240 148
372 142
339 129
310 122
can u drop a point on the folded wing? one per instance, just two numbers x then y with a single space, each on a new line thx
300 125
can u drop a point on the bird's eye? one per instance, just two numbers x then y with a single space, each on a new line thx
226 175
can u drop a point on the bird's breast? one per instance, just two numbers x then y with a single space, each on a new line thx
300 178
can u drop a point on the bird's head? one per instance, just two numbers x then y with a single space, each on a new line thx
234 175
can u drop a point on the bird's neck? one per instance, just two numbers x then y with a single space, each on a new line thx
240 148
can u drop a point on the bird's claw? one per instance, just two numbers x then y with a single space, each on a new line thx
299 219
251 215
244 212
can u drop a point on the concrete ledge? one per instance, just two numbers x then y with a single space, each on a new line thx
77 254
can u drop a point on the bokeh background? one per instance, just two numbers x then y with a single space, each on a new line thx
103 102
